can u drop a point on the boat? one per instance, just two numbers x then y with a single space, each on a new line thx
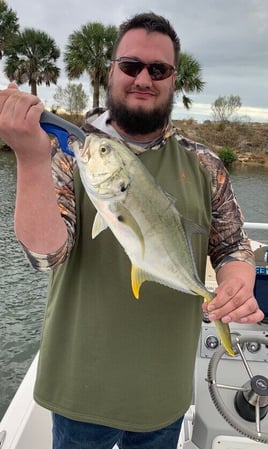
227 390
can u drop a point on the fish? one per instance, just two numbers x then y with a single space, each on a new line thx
143 218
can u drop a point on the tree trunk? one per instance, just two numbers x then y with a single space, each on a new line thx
96 93
33 88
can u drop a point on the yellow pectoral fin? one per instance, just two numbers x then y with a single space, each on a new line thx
138 276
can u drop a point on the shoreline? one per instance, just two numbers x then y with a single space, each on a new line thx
248 159
251 159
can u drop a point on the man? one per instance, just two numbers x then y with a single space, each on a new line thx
111 369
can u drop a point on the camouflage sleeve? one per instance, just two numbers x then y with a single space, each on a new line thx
227 241
62 172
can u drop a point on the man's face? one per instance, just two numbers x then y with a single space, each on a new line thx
150 101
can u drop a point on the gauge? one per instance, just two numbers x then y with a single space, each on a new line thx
212 342
253 346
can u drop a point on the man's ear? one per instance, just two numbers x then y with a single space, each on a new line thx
174 78
111 70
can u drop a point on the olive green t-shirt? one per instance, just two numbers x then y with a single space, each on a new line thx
105 357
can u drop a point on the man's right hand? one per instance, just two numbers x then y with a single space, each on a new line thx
19 125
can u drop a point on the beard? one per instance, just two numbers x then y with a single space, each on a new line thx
138 121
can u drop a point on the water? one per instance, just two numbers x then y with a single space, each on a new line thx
251 189
23 291
22 294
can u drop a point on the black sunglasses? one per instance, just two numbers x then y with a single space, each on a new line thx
157 70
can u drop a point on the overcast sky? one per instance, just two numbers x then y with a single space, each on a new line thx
228 37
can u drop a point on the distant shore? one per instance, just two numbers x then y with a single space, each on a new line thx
249 141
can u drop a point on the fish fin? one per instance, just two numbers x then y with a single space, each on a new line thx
225 336
208 295
138 276
125 217
99 225
223 329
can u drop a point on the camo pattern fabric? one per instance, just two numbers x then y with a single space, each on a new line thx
227 241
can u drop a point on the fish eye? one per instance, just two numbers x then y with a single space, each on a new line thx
104 149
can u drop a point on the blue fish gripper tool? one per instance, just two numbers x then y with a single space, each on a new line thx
62 130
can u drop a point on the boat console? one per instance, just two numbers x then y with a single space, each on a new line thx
230 404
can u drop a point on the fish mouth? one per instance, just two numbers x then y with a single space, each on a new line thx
103 177
107 185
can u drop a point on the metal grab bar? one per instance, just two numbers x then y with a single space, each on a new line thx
249 225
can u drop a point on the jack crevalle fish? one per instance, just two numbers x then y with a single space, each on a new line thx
143 218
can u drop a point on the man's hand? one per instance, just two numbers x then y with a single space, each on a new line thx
19 124
234 300
38 222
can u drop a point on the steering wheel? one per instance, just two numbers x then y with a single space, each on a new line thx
251 400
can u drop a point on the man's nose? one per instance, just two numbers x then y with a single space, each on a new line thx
143 78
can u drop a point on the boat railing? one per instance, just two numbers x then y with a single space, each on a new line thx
252 225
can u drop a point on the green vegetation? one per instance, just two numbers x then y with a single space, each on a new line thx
90 50
8 26
188 78
227 155
30 57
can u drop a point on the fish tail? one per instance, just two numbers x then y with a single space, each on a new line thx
222 328
225 336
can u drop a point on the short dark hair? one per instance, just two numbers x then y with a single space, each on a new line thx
150 22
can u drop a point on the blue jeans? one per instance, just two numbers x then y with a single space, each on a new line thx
69 434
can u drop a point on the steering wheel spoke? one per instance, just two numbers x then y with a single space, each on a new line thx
230 387
258 418
240 350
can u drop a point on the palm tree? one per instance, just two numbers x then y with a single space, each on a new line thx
8 25
89 50
31 57
188 78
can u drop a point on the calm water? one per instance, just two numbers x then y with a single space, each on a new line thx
251 188
23 291
22 294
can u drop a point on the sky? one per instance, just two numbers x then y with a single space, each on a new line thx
229 39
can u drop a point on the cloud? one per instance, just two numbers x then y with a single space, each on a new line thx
228 38
202 111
